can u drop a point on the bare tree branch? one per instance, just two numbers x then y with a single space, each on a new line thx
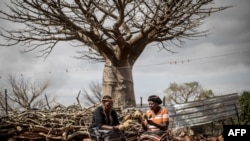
105 26
95 96
26 94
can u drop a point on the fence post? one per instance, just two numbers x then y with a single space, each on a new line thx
46 98
141 101
6 102
164 101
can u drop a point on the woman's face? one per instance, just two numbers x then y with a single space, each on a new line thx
152 105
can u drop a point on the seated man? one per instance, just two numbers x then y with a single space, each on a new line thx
105 121
156 120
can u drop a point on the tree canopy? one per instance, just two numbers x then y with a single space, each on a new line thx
182 93
244 115
104 25
113 31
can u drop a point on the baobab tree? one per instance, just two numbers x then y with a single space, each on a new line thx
113 31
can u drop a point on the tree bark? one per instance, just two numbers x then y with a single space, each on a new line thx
118 83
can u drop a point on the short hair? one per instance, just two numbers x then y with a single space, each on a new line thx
106 97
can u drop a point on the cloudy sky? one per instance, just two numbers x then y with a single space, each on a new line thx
220 62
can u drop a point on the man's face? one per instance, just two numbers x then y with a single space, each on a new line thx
108 104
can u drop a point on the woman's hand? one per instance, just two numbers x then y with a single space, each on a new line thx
139 120
150 122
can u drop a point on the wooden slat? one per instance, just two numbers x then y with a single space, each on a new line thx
219 105
205 111
205 118
202 113
209 101
200 121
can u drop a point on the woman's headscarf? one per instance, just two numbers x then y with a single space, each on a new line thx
155 98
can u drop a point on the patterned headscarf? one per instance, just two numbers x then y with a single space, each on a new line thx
155 98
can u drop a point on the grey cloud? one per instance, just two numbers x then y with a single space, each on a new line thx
153 71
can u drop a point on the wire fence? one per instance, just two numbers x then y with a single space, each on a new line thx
140 102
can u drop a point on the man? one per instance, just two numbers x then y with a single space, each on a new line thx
156 120
105 122
105 117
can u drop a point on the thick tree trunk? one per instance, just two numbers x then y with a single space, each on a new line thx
118 82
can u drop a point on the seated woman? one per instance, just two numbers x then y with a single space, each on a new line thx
105 120
156 120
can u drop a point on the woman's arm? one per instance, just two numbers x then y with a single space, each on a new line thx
143 123
162 127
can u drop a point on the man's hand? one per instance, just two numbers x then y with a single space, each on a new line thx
115 128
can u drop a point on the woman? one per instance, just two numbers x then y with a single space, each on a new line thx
156 120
